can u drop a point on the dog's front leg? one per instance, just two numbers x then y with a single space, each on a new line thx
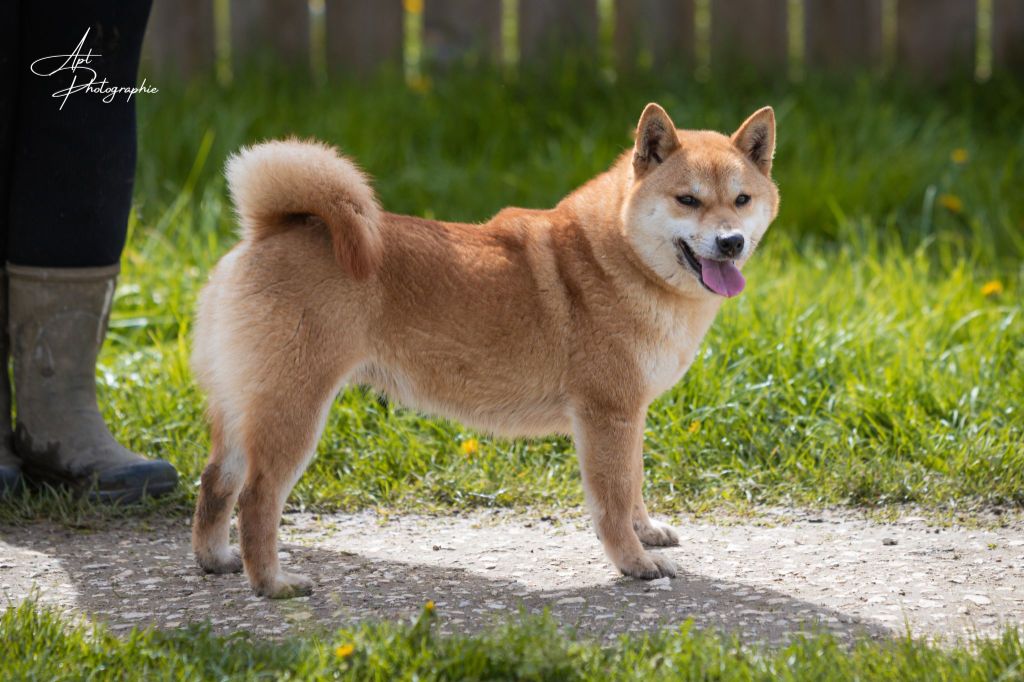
651 532
611 468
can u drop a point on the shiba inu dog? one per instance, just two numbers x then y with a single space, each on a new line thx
570 320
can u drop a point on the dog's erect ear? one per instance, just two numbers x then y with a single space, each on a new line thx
655 139
756 138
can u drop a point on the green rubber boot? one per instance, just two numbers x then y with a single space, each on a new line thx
58 319
10 465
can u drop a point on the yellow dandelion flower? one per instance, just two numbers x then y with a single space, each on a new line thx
420 83
951 203
694 427
345 650
413 6
993 288
429 606
959 156
470 446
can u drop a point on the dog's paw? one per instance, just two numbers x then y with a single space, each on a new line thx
656 534
648 566
285 586
228 560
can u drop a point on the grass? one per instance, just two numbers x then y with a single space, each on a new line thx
875 359
40 644
865 364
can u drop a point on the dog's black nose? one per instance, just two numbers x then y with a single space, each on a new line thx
730 245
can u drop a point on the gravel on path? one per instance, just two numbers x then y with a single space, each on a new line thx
767 578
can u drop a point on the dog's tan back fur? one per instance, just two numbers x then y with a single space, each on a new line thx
536 322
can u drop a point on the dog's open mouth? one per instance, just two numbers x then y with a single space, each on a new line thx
718 276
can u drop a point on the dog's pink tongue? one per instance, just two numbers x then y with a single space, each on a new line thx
722 277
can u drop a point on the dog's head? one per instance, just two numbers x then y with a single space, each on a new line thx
700 201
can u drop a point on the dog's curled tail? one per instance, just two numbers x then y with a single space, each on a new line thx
277 185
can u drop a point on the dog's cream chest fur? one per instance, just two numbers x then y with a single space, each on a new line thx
673 347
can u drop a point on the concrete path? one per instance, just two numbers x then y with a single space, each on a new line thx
768 578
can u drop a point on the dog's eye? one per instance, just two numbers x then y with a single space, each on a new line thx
743 200
688 200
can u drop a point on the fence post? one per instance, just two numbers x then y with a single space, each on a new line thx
180 38
750 33
661 31
1008 34
453 29
270 30
363 35
840 34
935 38
547 27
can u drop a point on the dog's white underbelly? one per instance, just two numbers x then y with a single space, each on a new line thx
504 408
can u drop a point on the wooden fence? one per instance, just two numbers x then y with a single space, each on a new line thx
933 39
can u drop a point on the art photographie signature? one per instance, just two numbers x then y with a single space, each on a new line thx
84 78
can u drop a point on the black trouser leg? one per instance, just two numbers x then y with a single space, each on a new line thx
71 168
10 76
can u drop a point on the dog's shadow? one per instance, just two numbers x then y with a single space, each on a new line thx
127 576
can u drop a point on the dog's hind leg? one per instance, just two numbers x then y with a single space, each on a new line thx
280 434
218 490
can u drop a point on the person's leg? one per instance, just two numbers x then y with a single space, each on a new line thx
73 170
10 467
74 159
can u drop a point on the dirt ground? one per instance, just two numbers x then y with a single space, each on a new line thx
767 578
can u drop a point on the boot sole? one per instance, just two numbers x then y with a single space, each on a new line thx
129 495
10 481
88 489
